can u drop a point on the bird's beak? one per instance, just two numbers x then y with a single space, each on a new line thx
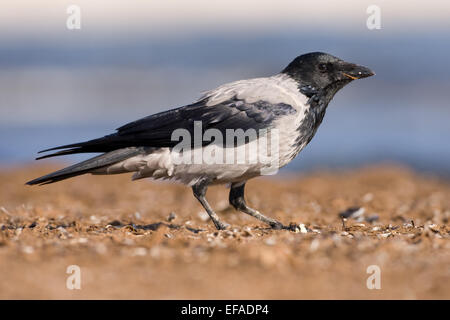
354 71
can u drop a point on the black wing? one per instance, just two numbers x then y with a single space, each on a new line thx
156 130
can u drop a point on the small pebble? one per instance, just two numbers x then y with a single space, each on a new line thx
368 197
28 249
270 241
372 218
408 225
432 227
101 248
139 252
172 216
203 216
115 223
384 235
314 245
303 228
155 252
94 219
3 209
352 213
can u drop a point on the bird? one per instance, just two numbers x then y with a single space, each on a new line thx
289 106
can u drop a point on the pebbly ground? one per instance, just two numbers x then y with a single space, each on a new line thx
152 240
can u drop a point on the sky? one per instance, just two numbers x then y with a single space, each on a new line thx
178 17
134 58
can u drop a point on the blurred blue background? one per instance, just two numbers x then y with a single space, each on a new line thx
131 59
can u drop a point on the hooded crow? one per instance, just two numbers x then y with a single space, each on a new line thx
286 109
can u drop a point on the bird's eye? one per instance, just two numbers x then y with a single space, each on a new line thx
322 67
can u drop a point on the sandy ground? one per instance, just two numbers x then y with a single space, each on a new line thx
118 232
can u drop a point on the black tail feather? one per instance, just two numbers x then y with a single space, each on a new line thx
87 166
61 153
55 177
100 142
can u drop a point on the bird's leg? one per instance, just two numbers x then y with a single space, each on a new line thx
199 190
237 201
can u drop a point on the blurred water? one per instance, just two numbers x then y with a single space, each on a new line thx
57 91
349 136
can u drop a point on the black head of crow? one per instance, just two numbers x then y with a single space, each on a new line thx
290 105
319 72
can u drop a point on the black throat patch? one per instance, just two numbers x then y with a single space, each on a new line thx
318 102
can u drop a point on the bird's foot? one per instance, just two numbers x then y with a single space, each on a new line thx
291 227
221 225
277 225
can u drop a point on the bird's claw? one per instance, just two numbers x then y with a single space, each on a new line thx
221 225
291 227
277 225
